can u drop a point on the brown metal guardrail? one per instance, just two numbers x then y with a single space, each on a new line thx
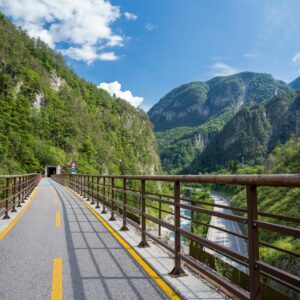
114 191
14 189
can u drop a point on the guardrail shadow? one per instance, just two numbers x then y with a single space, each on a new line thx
100 266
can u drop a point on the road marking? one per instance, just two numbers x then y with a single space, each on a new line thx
57 279
57 219
55 200
18 217
165 287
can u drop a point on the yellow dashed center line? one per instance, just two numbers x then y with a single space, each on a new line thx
55 200
57 219
57 279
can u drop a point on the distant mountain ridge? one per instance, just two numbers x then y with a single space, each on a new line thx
194 103
188 118
295 84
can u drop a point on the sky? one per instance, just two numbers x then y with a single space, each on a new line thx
141 50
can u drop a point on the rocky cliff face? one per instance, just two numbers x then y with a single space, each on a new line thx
194 103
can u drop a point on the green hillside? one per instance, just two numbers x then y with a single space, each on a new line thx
188 117
251 134
179 146
50 115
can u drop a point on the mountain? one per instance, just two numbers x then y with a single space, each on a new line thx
179 146
295 84
194 103
50 115
251 134
187 118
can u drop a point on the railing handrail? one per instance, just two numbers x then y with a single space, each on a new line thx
17 175
113 191
277 180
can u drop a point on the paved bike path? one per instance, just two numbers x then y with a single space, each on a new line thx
94 264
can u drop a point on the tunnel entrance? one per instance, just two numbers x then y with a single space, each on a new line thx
52 170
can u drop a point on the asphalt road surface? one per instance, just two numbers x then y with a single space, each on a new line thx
225 239
59 246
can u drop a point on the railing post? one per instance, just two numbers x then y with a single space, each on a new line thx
159 216
23 190
88 189
112 216
14 196
253 244
84 186
103 192
19 192
76 183
143 242
97 195
93 202
177 270
124 227
6 216
80 184
27 186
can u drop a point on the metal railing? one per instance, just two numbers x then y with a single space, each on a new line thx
14 189
115 191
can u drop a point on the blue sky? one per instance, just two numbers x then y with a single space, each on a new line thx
161 44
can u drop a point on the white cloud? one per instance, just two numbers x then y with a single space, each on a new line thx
114 88
130 16
88 54
108 56
151 27
221 69
296 58
83 26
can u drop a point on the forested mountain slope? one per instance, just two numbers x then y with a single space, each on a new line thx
251 134
188 117
49 115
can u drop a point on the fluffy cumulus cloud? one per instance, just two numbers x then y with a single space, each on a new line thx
115 88
130 16
221 69
84 27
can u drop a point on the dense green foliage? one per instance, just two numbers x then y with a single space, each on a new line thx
49 115
179 146
295 84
